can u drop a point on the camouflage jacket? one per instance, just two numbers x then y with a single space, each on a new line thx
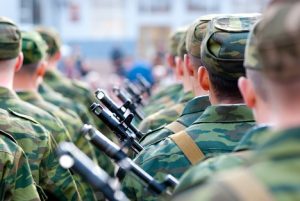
168 97
273 172
74 126
76 92
193 109
9 99
16 179
57 99
211 166
165 116
217 131
166 91
38 145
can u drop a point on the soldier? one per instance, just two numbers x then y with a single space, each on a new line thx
170 114
221 126
74 90
195 107
27 80
16 179
273 172
170 94
255 97
36 142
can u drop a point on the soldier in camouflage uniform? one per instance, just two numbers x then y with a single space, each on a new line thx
34 51
169 95
195 107
16 179
254 96
36 142
273 172
170 114
74 90
221 125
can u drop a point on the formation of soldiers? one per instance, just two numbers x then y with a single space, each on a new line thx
226 130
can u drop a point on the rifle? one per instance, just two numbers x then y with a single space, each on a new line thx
115 152
71 157
128 103
121 130
119 112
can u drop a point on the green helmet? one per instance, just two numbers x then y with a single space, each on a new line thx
33 47
10 39
223 48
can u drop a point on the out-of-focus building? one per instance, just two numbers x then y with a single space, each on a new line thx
138 27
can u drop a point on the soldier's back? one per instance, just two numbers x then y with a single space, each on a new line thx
16 179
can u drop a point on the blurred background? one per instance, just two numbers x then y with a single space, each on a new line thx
104 36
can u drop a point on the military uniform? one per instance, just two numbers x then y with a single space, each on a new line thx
193 109
169 95
241 155
16 179
165 116
74 90
273 172
220 127
36 142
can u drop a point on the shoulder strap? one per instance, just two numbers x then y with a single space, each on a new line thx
245 186
175 127
188 147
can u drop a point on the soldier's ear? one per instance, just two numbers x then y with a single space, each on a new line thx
19 62
41 70
171 60
203 78
179 67
187 62
247 91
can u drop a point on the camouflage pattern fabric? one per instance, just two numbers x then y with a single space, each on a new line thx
9 99
240 156
16 179
277 42
275 167
193 109
33 47
165 116
74 126
77 92
57 99
38 145
175 40
52 39
217 131
10 45
166 97
223 47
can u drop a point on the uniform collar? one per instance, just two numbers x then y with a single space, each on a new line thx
226 114
29 96
196 105
6 93
186 96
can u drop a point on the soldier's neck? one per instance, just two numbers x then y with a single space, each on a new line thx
6 79
25 84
